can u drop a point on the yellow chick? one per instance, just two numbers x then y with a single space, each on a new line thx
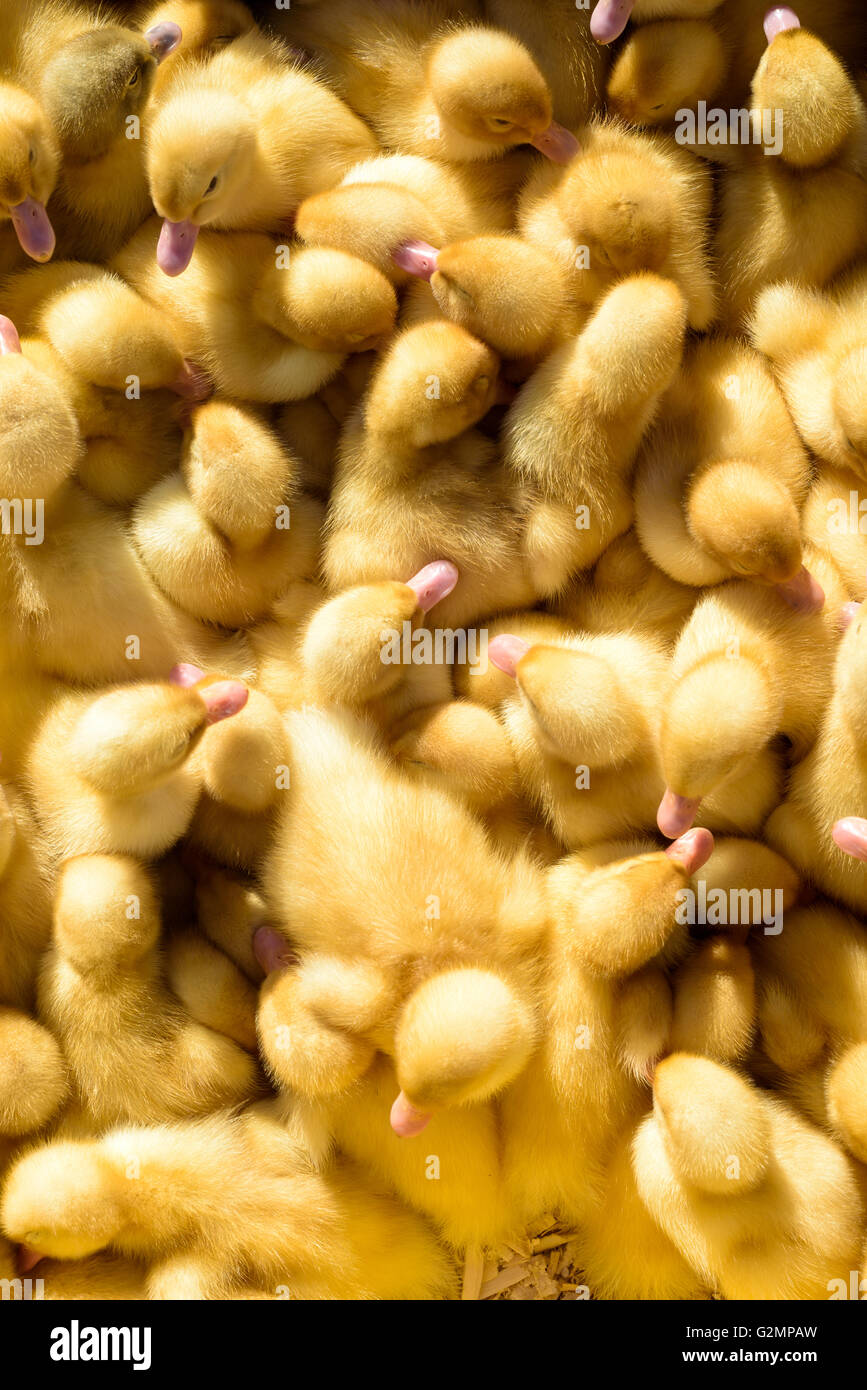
94 78
65 543
572 435
113 773
628 201
270 322
245 770
760 1203
817 345
722 476
415 482
665 68
511 295
612 913
33 1077
583 720
812 995
216 1202
794 208
560 41
731 687
431 86
206 27
102 330
221 152
134 1054
411 979
219 555
383 207
28 172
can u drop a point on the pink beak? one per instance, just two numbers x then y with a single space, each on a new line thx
778 20
692 850
433 583
506 651
609 19
33 229
850 835
163 39
676 814
175 246
802 593
417 257
557 144
28 1259
406 1121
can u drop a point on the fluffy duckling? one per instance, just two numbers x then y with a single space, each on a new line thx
560 41
731 674
416 483
219 1200
628 201
219 555
572 435
389 210
129 440
817 344
583 719
94 79
817 826
206 27
102 330
133 1053
511 295
342 648
759 1202
801 214
562 1114
221 153
665 68
268 323
457 92
411 979
113 774
45 587
722 476
28 171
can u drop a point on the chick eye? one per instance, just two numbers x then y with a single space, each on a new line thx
500 123
133 81
32 155
212 185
